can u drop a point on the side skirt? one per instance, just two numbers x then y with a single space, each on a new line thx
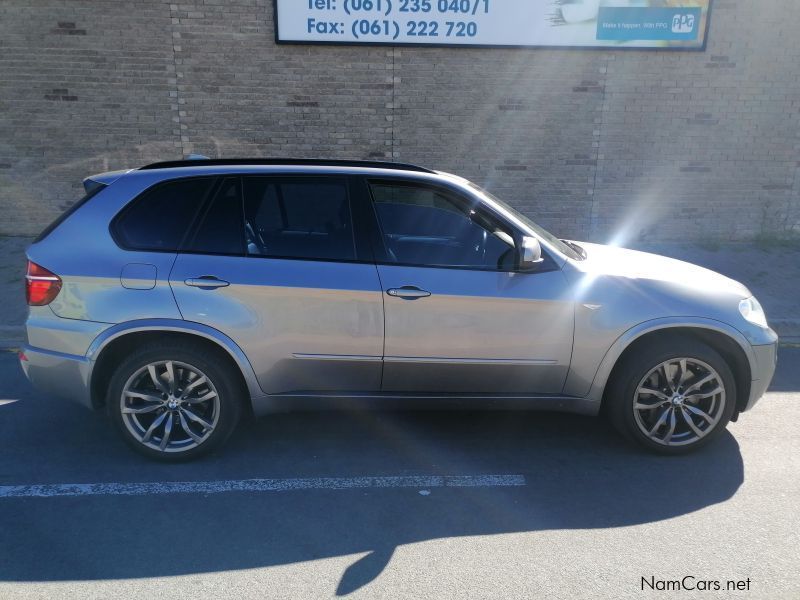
320 401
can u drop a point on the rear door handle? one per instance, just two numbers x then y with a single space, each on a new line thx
408 292
207 282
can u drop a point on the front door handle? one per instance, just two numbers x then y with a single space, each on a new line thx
408 292
207 282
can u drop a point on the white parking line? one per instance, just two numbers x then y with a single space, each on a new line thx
57 490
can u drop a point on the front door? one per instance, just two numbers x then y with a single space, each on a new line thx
273 265
458 318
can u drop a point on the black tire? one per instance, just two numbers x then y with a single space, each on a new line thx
635 366
226 413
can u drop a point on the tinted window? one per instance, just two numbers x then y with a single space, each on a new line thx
159 218
298 218
221 229
426 226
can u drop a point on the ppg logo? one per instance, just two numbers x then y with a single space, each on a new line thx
683 23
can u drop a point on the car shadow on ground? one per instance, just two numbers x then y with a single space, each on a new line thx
578 473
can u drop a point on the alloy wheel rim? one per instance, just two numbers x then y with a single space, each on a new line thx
679 402
170 406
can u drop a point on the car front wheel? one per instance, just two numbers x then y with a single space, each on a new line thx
672 396
173 402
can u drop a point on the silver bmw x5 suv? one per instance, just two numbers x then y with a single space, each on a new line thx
182 295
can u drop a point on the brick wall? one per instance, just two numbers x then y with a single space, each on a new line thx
593 144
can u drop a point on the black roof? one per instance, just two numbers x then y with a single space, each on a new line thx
308 162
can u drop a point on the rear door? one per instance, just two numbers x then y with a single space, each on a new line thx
459 318
276 264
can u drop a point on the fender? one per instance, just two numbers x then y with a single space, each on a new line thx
634 333
178 326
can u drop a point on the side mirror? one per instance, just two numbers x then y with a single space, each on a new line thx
530 254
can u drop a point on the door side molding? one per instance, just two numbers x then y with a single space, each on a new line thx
470 361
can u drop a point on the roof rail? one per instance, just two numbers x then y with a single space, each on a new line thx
308 162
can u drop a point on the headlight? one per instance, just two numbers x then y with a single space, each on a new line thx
751 310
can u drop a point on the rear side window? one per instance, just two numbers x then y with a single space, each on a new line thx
221 229
159 218
306 218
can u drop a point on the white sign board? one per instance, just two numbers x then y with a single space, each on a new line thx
677 24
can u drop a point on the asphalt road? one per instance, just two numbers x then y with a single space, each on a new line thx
574 512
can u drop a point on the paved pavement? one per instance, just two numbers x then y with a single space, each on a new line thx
572 512
771 273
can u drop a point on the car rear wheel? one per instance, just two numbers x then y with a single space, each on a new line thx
672 396
174 402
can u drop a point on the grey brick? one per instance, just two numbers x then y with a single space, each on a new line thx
598 144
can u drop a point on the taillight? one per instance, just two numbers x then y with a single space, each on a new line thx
41 286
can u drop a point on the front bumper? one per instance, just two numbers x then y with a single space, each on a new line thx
763 369
63 375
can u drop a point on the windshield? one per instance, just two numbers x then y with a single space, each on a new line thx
542 233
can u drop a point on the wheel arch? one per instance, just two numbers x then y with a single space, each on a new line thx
726 340
116 342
